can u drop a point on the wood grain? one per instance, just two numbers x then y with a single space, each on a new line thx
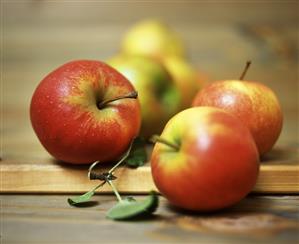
49 219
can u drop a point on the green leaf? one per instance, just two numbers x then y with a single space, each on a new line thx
138 155
80 199
129 208
76 201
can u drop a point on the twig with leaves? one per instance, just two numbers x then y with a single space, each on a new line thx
128 207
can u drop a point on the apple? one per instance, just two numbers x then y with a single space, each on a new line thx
187 79
204 160
152 38
159 97
255 104
85 111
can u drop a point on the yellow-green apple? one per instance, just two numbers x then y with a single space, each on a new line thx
204 160
158 95
255 104
85 111
152 38
186 77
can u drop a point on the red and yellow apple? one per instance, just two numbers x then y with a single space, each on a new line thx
255 104
152 38
204 160
85 111
159 97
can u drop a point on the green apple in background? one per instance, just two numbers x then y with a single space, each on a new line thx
159 97
152 38
187 79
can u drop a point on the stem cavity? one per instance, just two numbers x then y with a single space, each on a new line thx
248 63
156 138
131 95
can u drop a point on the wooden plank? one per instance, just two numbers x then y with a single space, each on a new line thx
278 179
56 178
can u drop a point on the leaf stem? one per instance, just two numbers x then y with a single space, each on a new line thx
122 159
132 94
156 138
85 197
91 167
115 190
248 63
98 186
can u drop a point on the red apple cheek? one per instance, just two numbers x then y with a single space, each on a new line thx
267 124
209 183
82 141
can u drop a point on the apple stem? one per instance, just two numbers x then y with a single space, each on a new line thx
248 63
132 94
156 138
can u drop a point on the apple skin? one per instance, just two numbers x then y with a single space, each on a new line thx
217 163
67 121
152 38
187 79
159 97
253 103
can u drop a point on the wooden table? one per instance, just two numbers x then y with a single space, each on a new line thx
44 218
38 36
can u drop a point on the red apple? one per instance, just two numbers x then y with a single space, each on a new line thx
253 103
85 111
205 159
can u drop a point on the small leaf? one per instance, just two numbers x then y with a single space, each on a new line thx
130 208
76 201
137 156
80 199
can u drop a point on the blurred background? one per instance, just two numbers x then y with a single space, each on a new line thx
220 36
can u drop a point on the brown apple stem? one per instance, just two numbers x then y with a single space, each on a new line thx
132 94
156 138
245 70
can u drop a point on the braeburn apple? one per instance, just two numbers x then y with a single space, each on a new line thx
204 160
255 104
85 111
